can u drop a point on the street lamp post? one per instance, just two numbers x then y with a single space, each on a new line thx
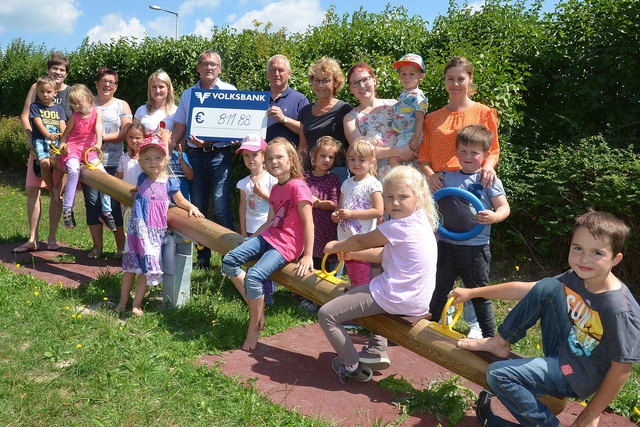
168 11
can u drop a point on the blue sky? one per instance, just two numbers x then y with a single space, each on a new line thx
100 20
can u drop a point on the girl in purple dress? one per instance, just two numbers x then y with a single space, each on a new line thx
148 221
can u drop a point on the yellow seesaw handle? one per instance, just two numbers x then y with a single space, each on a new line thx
53 148
330 276
86 159
445 329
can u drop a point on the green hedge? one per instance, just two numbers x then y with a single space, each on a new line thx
564 85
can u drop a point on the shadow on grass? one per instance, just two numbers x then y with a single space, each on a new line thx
215 313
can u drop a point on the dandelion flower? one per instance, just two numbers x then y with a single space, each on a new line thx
67 308
105 299
36 293
583 403
166 332
78 345
214 322
636 410
18 265
517 268
538 346
79 316
74 316
28 301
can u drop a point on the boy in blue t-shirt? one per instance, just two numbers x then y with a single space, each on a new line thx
470 259
48 121
590 326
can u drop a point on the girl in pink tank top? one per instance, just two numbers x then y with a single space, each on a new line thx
83 132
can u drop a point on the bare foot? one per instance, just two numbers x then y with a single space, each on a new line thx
137 311
494 345
252 339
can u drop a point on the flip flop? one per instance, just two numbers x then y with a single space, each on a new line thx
95 253
25 247
53 247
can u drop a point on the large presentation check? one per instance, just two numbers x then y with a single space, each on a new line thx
227 115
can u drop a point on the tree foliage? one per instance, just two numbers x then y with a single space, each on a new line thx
564 85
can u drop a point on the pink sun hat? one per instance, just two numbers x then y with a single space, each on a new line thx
153 141
252 142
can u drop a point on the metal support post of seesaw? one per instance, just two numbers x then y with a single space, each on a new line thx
177 263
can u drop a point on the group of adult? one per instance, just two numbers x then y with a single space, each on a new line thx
290 115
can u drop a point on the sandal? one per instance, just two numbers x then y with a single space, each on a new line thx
53 247
118 255
25 247
95 253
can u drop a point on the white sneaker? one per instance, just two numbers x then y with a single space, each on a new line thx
475 333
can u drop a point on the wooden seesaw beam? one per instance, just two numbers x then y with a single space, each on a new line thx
418 338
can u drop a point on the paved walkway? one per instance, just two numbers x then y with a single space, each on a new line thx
293 368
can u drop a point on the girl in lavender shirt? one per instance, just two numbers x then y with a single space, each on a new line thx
406 247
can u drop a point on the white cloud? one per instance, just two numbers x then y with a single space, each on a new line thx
476 6
295 15
35 16
112 26
203 28
162 26
199 6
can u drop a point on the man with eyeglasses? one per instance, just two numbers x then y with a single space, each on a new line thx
284 103
211 160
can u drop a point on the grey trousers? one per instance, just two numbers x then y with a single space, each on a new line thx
356 303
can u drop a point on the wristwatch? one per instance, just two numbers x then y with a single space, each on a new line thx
286 120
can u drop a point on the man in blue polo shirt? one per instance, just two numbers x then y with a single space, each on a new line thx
211 160
285 103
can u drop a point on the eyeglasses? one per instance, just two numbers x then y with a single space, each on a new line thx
109 82
363 81
323 82
209 64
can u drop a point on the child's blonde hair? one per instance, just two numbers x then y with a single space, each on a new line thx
420 188
325 141
296 166
79 93
170 104
363 147
46 80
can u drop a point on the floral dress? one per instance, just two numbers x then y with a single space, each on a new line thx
378 125
147 228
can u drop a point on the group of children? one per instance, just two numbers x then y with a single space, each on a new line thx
590 320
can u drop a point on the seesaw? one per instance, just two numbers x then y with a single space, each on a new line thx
416 335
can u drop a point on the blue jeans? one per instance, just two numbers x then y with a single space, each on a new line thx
212 180
270 260
516 382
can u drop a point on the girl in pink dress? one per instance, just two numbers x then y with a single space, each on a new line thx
148 220
83 132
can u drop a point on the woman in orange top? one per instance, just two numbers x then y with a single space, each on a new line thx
438 148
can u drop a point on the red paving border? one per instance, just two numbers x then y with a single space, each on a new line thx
73 274
293 368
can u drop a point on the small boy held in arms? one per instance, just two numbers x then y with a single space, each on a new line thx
470 259
590 324
48 121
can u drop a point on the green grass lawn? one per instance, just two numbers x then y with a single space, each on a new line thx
62 364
